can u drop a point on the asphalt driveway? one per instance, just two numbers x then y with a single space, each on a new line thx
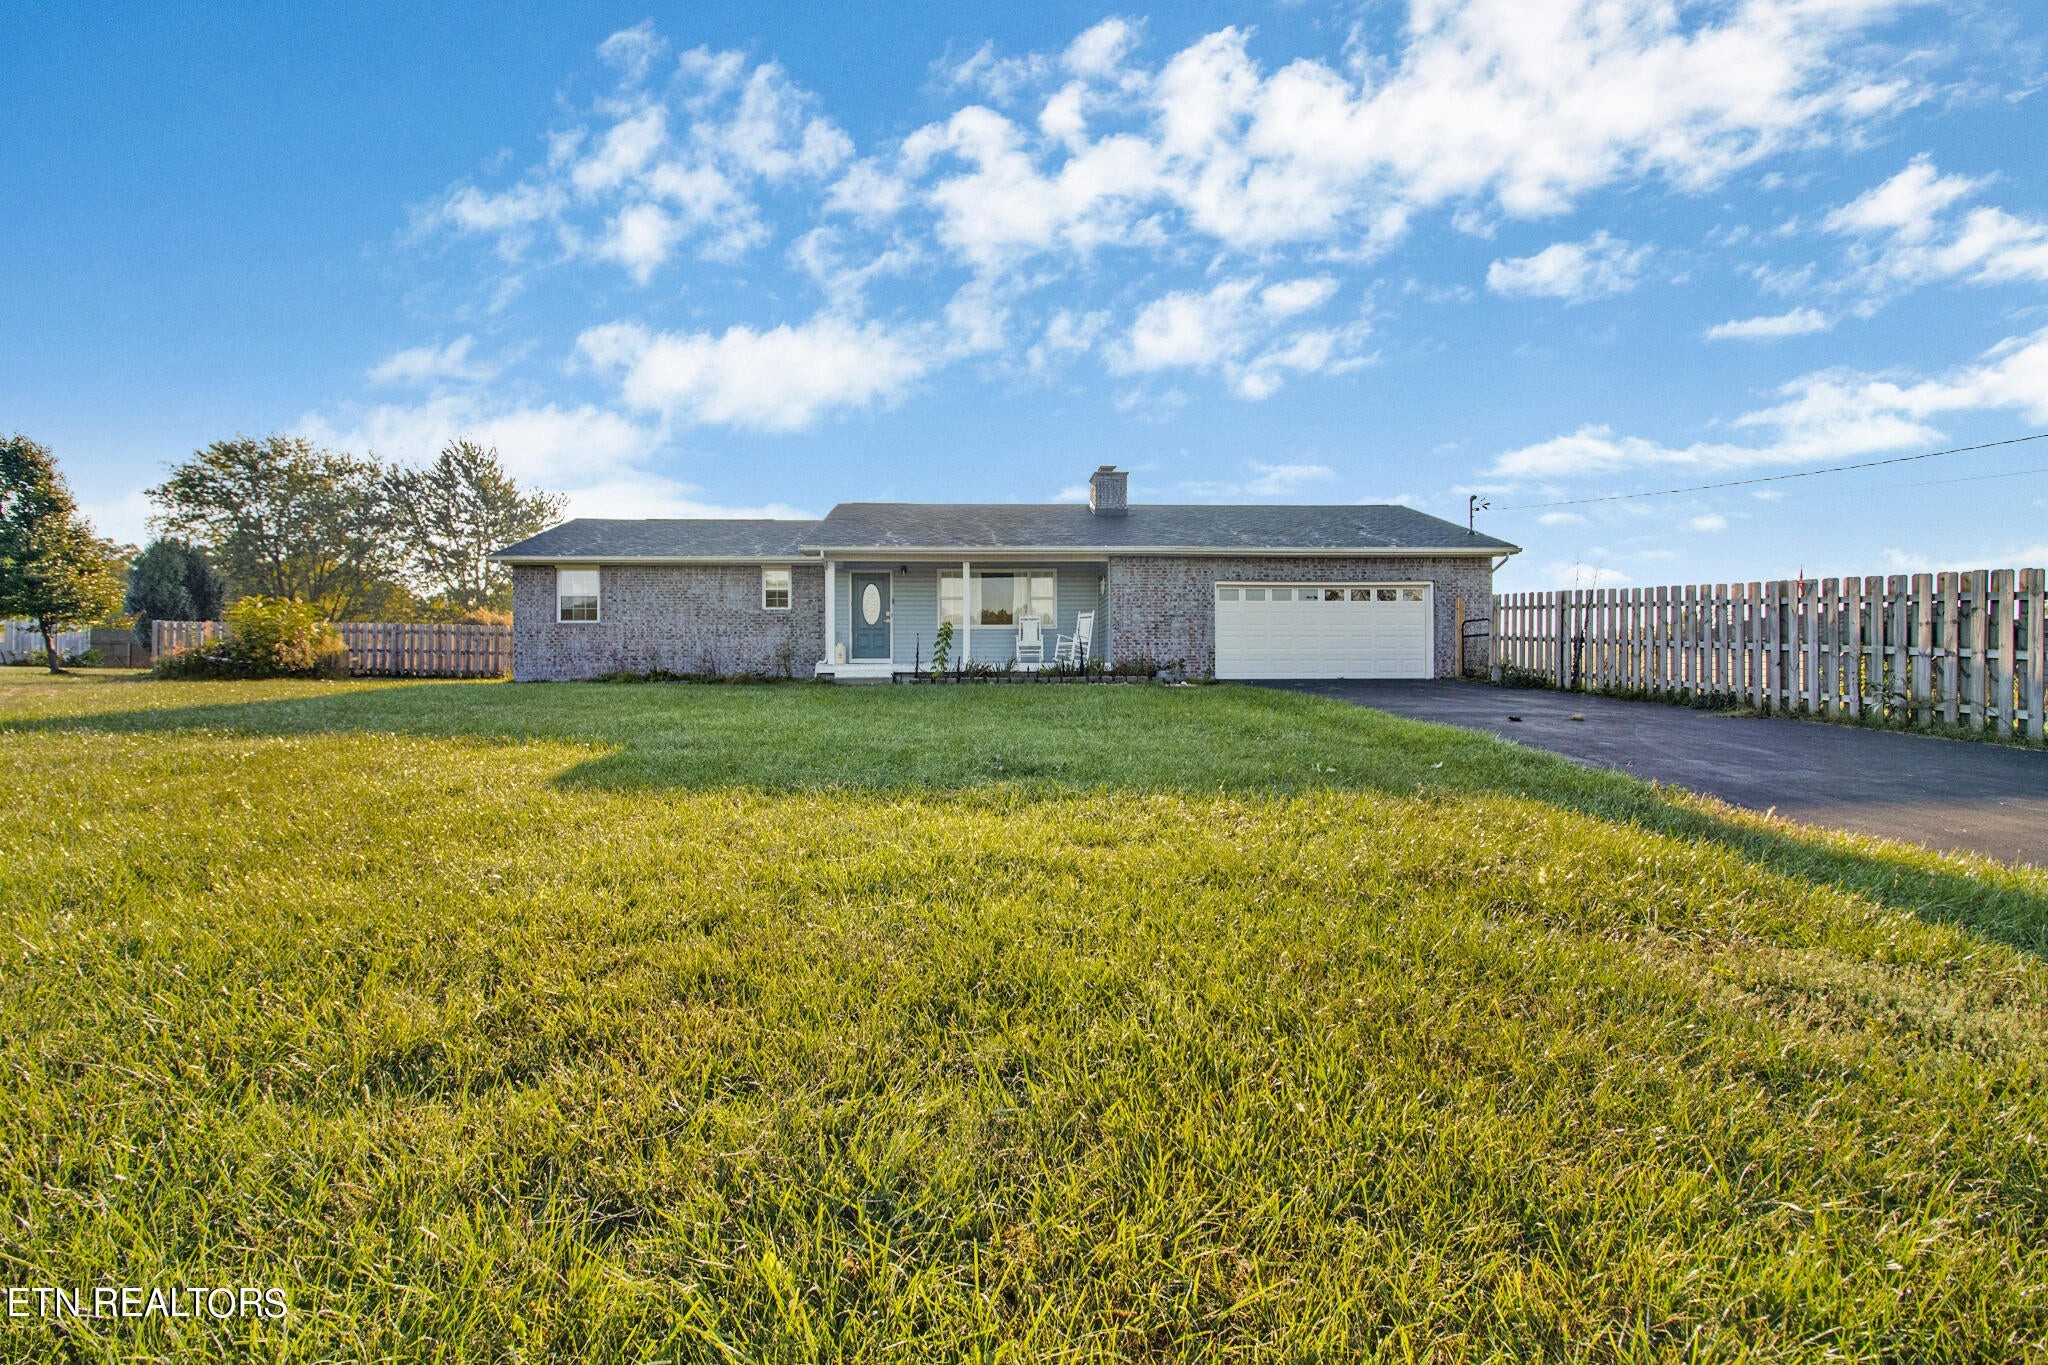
1940 793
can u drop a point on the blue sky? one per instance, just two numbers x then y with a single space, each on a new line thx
706 258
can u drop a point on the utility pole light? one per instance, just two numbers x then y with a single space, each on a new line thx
1474 505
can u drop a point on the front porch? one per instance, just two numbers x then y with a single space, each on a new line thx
882 617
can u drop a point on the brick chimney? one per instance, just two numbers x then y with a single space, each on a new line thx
1109 492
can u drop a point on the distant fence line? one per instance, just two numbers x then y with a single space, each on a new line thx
383 649
19 639
1919 650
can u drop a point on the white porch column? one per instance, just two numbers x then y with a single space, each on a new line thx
966 612
831 609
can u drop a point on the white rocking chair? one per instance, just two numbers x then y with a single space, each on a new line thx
1031 641
1071 651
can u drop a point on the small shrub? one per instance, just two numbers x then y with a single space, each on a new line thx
209 660
267 637
85 658
942 647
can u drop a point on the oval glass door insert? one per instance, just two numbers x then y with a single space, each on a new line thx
871 604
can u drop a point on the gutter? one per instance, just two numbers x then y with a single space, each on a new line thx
1104 551
649 559
813 553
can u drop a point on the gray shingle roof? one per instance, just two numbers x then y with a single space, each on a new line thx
665 538
904 525
1012 526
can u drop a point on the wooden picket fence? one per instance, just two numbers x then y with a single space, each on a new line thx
384 649
1921 650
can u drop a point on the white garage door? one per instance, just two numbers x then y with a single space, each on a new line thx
1323 630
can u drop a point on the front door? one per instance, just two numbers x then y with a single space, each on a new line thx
870 616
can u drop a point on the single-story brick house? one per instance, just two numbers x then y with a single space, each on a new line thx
1236 591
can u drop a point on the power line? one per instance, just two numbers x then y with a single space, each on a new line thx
1920 483
1777 478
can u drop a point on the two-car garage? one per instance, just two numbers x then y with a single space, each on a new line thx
1324 630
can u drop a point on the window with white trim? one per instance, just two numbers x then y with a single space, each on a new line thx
1001 596
576 594
775 590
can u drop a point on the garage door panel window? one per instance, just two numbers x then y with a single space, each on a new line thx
1356 631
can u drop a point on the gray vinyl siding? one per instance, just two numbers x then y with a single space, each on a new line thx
914 605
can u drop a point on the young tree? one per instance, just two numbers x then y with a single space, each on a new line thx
457 511
173 581
282 517
53 569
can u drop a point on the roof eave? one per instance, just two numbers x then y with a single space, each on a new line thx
778 557
1349 552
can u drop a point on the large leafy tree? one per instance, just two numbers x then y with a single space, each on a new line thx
282 517
53 569
173 581
458 510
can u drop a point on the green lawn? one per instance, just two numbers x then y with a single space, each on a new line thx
501 1022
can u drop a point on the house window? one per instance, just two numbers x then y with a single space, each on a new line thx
575 594
1000 597
775 590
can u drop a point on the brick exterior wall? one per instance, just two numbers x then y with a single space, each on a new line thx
672 618
1163 607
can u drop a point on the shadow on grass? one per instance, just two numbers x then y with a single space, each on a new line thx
1056 739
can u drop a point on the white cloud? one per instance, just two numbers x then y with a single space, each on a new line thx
1829 414
429 364
782 379
1561 519
1289 297
548 444
645 494
1100 51
1907 205
1067 334
1263 481
1575 573
640 238
123 519
634 51
624 152
1576 272
1283 480
1908 232
1798 322
669 167
1709 521
867 191
603 460
1206 157
1485 106
1239 329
